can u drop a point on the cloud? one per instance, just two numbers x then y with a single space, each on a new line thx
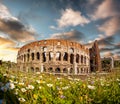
13 27
111 26
107 8
72 35
71 18
8 49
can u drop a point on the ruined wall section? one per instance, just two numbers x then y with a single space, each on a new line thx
53 55
95 60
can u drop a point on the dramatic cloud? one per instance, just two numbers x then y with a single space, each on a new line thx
72 35
107 8
12 27
72 18
111 26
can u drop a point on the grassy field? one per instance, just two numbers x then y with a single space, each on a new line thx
18 87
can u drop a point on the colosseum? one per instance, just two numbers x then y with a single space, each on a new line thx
55 56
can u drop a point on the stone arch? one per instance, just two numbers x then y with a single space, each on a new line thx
77 58
28 57
38 55
65 70
50 69
71 58
81 70
32 69
71 70
28 50
37 69
44 56
32 55
84 59
65 56
51 55
44 69
78 70
57 70
81 58
58 56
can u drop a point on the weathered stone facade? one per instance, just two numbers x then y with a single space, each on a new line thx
54 55
95 60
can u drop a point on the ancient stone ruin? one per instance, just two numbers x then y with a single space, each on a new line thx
56 56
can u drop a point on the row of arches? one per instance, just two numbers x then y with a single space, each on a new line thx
54 56
60 70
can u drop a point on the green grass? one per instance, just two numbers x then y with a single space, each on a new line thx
38 88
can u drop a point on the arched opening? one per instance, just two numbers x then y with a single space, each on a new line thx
65 70
57 70
44 69
44 57
81 70
71 70
37 69
32 69
85 60
71 58
65 56
28 57
32 56
51 55
77 58
28 50
58 56
81 58
77 70
38 56
50 69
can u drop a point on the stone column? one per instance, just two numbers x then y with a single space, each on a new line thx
68 70
68 58
41 68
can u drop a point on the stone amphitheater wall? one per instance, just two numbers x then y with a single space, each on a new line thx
56 56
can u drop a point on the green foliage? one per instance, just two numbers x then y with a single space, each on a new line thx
18 87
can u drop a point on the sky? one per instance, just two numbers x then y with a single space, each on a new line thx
83 21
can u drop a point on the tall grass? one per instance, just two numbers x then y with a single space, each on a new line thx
17 87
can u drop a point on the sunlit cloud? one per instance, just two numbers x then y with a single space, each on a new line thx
108 8
71 18
111 26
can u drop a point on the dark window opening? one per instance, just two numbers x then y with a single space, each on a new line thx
71 70
38 55
44 57
85 60
81 58
32 56
71 58
77 58
64 70
57 70
65 57
50 69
